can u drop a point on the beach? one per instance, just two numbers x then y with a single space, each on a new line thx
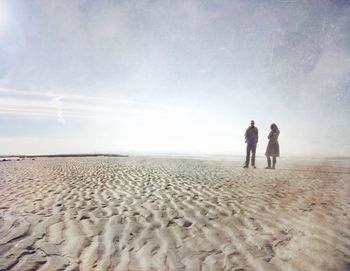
161 213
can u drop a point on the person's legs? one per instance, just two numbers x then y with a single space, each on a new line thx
247 158
268 162
253 154
274 162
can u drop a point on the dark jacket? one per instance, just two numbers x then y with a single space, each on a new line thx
273 148
251 135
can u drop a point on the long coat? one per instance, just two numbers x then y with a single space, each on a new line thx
273 148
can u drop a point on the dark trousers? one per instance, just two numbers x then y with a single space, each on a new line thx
250 148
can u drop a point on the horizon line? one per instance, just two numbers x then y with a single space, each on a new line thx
150 153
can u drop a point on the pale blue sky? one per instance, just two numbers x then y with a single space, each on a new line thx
174 76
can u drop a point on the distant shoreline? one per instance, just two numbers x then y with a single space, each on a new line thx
63 155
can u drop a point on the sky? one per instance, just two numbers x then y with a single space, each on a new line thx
182 77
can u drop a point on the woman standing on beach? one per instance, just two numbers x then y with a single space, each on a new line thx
273 148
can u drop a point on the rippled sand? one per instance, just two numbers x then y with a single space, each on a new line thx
173 214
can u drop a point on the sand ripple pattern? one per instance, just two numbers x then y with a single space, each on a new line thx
173 214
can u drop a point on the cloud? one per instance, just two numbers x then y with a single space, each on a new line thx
35 104
57 104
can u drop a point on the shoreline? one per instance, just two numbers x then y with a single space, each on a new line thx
63 155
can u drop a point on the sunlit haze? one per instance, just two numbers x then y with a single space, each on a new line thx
183 77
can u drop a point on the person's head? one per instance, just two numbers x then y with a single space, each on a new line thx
252 123
273 127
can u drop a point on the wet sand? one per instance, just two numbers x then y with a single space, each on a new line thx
142 213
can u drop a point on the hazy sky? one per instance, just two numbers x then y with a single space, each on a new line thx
174 76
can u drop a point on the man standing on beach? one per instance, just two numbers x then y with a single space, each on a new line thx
251 138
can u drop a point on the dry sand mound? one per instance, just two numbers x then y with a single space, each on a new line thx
173 214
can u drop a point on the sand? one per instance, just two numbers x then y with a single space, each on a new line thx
143 213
